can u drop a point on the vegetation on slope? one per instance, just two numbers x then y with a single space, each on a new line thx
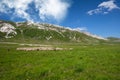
51 33
100 62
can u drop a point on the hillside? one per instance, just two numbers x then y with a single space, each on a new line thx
43 32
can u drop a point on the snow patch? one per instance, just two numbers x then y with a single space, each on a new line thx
41 27
83 30
61 29
8 29
48 38
94 36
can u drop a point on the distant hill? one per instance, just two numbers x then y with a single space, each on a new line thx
113 39
43 32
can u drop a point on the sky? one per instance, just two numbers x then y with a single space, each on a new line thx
100 17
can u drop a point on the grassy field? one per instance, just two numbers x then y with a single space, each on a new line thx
95 62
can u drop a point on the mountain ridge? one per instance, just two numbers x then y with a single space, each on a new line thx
44 32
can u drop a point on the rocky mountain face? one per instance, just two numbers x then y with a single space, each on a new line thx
44 32
8 29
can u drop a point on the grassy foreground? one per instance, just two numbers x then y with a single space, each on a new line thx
98 62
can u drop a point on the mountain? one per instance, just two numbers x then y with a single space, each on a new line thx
43 32
113 39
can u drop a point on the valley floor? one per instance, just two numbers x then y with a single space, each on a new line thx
91 62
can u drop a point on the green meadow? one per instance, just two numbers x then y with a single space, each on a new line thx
84 62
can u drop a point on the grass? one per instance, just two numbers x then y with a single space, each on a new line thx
95 62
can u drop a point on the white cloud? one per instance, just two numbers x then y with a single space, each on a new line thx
56 9
104 7
47 9
110 5
19 6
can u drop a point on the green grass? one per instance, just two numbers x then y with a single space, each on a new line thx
98 62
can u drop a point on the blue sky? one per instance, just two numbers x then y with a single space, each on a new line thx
101 17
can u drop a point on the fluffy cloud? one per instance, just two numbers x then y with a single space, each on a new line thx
19 6
52 8
47 9
104 7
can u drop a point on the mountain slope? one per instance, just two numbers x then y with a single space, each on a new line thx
39 32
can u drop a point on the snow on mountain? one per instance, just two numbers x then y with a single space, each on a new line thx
60 29
8 29
94 36
85 32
